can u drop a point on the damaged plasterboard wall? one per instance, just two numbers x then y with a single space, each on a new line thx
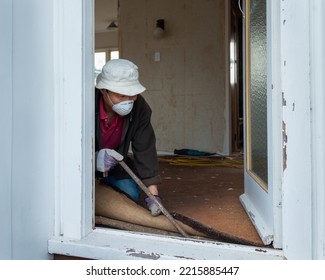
184 71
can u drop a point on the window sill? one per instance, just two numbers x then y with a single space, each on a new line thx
110 244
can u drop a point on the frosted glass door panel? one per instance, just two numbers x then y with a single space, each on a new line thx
257 93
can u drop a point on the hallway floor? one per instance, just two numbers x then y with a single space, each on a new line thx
207 190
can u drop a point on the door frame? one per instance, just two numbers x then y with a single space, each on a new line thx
74 234
264 207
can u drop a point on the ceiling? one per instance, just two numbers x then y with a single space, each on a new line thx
105 13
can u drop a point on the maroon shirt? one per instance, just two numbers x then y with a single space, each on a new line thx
111 133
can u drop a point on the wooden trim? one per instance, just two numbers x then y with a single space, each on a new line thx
248 158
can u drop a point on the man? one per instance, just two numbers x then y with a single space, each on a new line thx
123 121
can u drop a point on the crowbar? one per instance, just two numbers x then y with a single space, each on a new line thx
119 158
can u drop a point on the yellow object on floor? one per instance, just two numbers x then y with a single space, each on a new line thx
235 162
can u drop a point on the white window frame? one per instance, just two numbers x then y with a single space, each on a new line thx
73 121
107 51
317 62
74 232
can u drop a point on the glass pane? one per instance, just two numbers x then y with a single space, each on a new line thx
100 60
114 54
257 90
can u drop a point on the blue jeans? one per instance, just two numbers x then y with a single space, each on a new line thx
128 186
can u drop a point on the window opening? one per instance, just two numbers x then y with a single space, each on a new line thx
114 54
101 57
214 179
100 60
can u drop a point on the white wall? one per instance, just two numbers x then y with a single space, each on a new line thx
6 128
105 40
27 125
46 80
187 88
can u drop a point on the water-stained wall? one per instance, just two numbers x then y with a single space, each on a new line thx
187 87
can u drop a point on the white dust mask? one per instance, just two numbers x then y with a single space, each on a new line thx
123 108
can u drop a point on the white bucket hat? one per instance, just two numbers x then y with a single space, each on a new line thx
120 76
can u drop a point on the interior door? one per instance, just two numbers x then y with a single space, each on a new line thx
258 195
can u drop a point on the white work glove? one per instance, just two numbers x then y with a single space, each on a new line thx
153 208
104 162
